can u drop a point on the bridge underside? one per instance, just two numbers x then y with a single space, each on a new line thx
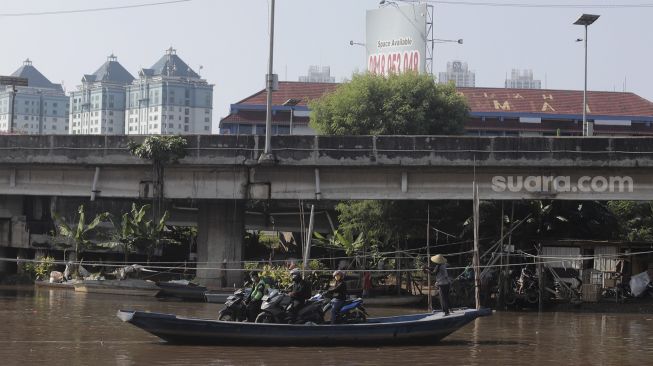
332 183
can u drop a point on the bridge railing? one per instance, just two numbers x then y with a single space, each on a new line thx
341 150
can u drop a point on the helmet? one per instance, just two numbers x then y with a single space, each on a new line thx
295 273
253 274
340 273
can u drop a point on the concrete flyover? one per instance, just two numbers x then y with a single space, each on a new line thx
221 172
336 168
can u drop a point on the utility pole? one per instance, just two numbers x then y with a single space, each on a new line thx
13 108
266 156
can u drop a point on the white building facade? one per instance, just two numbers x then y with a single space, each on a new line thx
98 105
317 74
41 107
522 80
169 98
458 73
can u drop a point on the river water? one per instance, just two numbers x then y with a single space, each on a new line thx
61 327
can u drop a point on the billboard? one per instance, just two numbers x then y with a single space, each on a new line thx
396 39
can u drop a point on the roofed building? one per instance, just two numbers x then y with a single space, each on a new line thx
289 110
169 98
98 105
41 107
500 111
493 111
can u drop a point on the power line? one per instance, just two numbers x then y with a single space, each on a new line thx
526 5
89 10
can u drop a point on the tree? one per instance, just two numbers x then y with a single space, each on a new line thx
399 104
161 150
635 219
77 236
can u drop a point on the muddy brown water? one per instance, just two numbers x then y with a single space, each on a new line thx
61 327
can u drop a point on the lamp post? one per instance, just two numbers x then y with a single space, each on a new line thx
266 156
437 40
586 20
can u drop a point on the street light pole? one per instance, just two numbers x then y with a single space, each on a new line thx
13 109
586 20
266 156
586 130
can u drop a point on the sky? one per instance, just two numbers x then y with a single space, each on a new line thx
229 38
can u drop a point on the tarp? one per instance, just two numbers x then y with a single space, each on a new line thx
638 283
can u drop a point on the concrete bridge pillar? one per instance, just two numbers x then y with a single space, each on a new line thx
4 265
221 225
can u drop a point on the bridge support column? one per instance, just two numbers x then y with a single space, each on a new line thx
221 225
4 265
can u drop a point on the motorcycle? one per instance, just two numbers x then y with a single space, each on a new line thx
235 308
276 305
352 312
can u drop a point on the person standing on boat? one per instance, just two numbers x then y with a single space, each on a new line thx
299 292
442 280
254 300
339 293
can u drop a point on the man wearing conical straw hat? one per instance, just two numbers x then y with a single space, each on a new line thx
441 280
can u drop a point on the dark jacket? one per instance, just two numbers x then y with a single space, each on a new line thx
300 290
339 290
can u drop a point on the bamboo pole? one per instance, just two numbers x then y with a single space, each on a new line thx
501 294
428 256
309 234
476 261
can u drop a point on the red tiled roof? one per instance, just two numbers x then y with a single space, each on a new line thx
291 89
498 100
555 102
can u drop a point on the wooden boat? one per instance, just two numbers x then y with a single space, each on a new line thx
181 290
217 297
405 329
118 287
68 285
405 300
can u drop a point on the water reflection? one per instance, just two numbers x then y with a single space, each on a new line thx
65 328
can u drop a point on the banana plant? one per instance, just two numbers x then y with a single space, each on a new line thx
77 236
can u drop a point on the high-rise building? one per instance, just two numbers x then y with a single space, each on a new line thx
522 80
98 105
317 74
41 107
169 98
458 72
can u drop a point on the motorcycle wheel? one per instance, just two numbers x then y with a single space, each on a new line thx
511 299
358 317
264 318
532 297
225 316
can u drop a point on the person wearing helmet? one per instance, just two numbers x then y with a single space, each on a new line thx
441 280
339 293
254 300
300 292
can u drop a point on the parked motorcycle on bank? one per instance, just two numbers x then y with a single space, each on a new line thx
276 305
234 308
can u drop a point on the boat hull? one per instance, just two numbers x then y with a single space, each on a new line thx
183 292
116 287
410 329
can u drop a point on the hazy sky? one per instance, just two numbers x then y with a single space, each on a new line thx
230 38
